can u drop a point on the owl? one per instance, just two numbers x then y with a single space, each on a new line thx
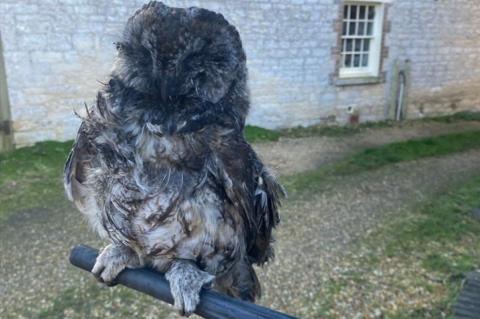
160 166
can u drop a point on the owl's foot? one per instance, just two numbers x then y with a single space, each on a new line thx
186 281
112 260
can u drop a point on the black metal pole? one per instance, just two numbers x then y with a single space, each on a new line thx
213 305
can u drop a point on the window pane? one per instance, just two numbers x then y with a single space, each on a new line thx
349 45
356 61
370 28
353 12
358 45
365 60
361 28
358 29
371 12
351 28
362 12
366 45
348 60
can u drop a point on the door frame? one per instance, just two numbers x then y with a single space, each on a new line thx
6 131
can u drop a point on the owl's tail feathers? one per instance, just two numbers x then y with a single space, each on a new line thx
240 282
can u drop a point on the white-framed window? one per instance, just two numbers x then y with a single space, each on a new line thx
361 39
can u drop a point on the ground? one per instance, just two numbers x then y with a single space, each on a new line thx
350 243
294 155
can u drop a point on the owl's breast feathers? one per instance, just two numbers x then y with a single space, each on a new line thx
203 196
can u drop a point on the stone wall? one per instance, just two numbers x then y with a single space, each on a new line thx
442 41
56 52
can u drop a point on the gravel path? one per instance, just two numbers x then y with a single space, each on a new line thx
315 235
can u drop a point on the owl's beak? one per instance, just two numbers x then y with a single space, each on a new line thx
167 89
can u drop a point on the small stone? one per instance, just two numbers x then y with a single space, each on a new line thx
377 313
378 273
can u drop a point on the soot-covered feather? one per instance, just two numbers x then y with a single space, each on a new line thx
160 166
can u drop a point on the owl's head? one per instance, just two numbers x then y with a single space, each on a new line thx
172 54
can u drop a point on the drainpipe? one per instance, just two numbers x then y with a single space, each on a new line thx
399 88
402 79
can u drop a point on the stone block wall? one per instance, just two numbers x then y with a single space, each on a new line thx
441 40
57 51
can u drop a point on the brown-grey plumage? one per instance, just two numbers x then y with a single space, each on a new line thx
160 166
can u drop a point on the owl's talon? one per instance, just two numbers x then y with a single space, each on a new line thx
111 261
103 283
186 281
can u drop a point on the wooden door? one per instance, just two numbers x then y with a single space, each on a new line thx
6 134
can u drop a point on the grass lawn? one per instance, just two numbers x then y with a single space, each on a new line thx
459 116
31 177
426 253
409 150
81 302
255 134
380 156
334 130
258 134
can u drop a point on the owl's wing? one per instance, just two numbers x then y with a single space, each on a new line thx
85 153
93 155
268 193
254 192
76 167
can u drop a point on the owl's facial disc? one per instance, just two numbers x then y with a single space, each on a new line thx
173 54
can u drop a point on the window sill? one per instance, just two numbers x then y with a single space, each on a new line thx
364 80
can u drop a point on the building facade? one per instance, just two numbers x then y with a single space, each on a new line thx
310 61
